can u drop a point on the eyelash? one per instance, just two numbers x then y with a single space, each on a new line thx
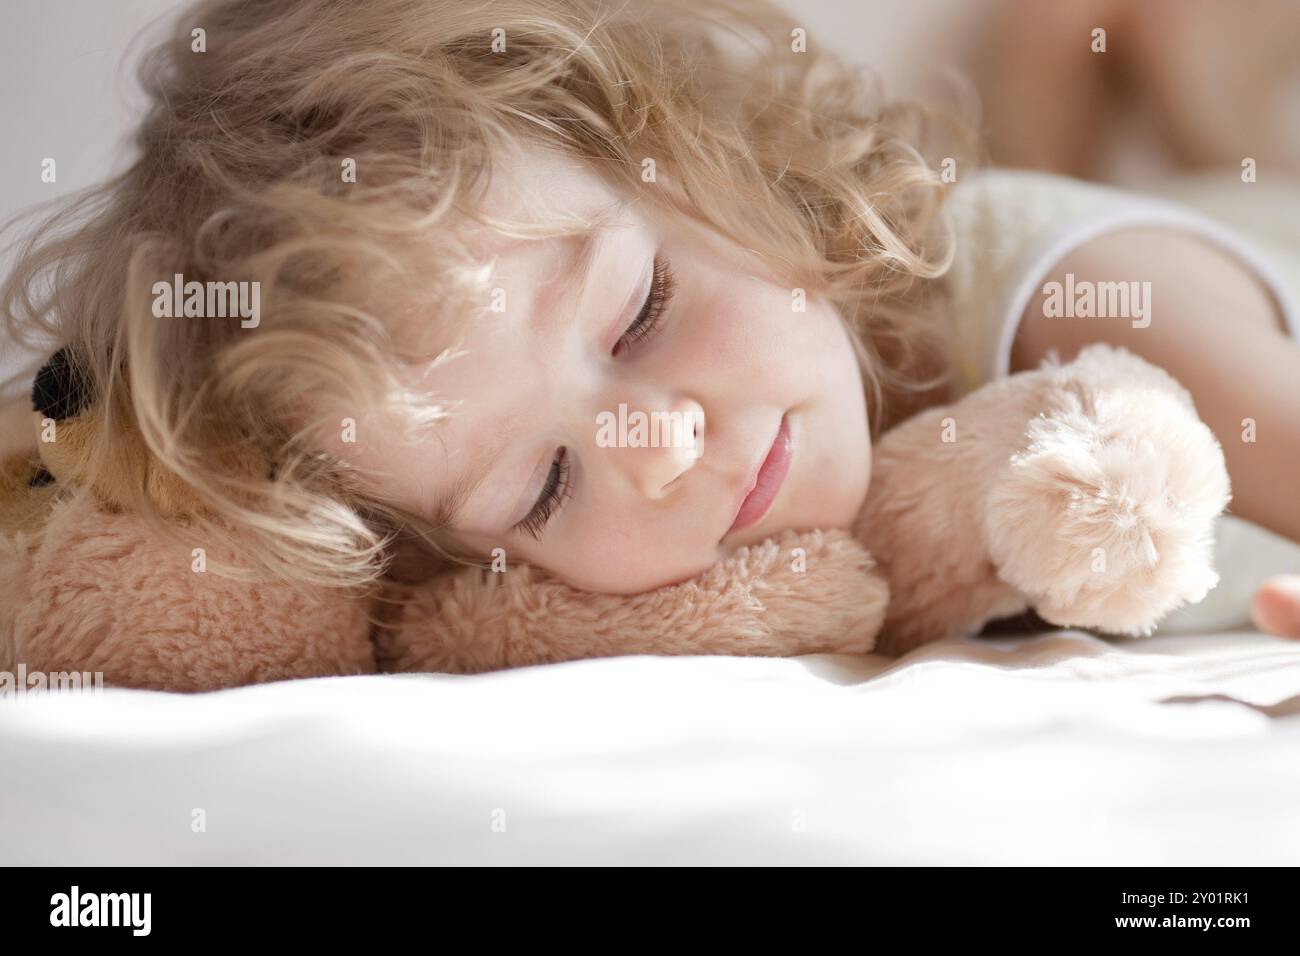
647 321
554 493
558 488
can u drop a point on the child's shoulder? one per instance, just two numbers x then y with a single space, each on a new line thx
1006 219
1012 226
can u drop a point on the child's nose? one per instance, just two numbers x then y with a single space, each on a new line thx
653 446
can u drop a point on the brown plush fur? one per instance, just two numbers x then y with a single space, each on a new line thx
132 463
1086 491
795 594
102 594
24 508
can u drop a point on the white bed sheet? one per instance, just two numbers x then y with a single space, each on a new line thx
1060 748
1056 749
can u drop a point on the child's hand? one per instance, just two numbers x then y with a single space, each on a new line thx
1276 608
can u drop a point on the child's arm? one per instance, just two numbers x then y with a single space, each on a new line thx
1215 328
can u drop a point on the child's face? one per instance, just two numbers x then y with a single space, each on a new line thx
730 352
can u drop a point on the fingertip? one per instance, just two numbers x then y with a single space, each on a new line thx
1275 608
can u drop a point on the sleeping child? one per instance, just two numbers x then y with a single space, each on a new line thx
494 246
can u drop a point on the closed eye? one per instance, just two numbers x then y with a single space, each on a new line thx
555 492
657 301
558 487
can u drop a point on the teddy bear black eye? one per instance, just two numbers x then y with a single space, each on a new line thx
60 390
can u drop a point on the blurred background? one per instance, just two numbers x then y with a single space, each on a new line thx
1182 92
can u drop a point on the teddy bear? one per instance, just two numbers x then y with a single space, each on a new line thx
1085 492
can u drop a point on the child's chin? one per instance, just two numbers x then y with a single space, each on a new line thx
638 583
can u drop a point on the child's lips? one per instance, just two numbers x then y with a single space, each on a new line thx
766 483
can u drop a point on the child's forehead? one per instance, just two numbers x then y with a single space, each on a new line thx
535 199
534 183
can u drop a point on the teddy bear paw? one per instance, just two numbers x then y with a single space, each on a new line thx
1106 519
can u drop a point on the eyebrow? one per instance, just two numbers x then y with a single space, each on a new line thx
574 273
577 264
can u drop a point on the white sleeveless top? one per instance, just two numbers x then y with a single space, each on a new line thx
1012 227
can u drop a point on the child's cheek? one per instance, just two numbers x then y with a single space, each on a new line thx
734 327
629 556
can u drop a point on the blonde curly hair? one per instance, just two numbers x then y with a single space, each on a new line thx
789 154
